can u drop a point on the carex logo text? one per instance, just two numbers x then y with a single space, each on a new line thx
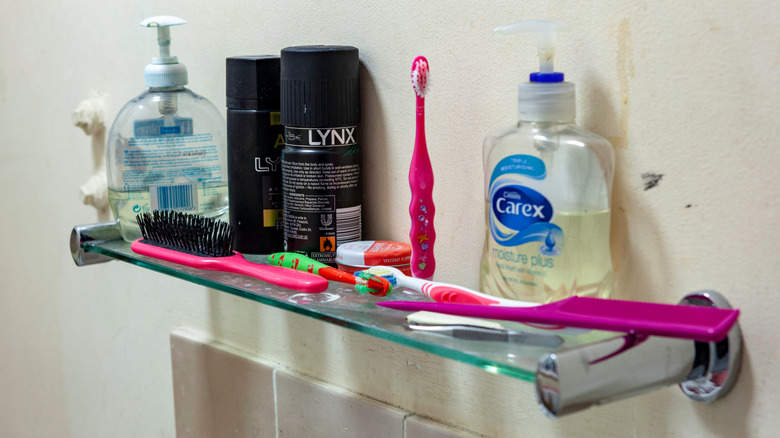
517 207
512 203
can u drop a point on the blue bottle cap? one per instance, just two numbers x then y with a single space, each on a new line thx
546 77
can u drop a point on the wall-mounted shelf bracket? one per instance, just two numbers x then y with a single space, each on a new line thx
95 233
574 379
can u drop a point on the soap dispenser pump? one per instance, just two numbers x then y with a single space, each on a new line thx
167 148
547 191
546 97
164 70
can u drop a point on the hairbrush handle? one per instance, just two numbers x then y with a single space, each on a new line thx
421 208
287 278
237 264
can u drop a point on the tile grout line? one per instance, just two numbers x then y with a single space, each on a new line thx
276 404
406 417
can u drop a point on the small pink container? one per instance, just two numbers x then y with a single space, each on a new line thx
358 256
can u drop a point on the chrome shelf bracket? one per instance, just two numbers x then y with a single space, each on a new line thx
572 380
93 232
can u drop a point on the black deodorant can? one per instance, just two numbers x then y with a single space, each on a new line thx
321 160
254 142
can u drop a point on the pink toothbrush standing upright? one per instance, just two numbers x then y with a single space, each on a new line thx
421 208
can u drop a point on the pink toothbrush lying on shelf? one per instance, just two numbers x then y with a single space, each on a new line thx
706 324
421 208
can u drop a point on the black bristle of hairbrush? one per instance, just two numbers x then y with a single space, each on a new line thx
187 233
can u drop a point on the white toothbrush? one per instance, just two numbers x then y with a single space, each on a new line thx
444 292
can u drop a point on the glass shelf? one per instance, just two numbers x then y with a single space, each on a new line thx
343 306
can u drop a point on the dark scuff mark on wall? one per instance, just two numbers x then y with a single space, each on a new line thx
651 179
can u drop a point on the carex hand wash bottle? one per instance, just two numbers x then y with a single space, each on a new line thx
547 192
167 148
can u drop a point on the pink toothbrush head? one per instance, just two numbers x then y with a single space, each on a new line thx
420 74
421 208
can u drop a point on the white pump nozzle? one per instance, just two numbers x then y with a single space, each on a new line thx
546 98
546 34
165 70
162 23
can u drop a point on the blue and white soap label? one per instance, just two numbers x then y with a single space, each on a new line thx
525 165
519 214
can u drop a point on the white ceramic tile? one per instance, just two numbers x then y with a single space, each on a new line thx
418 427
306 408
219 392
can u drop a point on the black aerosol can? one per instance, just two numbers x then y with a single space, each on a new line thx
321 159
255 145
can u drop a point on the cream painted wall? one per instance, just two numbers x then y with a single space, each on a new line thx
690 90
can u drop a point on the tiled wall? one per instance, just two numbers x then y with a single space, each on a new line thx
220 392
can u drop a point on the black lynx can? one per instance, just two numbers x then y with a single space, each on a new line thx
255 142
321 160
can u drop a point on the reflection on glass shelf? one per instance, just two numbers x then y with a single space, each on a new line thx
343 306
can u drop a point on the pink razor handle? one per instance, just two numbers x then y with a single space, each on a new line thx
706 324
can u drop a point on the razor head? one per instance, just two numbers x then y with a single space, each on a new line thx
474 333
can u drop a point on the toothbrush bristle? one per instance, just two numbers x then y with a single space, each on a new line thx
379 285
373 284
420 76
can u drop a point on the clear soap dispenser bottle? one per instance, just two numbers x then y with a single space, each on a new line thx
547 192
167 148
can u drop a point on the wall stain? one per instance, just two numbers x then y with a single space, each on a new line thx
651 180
625 69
